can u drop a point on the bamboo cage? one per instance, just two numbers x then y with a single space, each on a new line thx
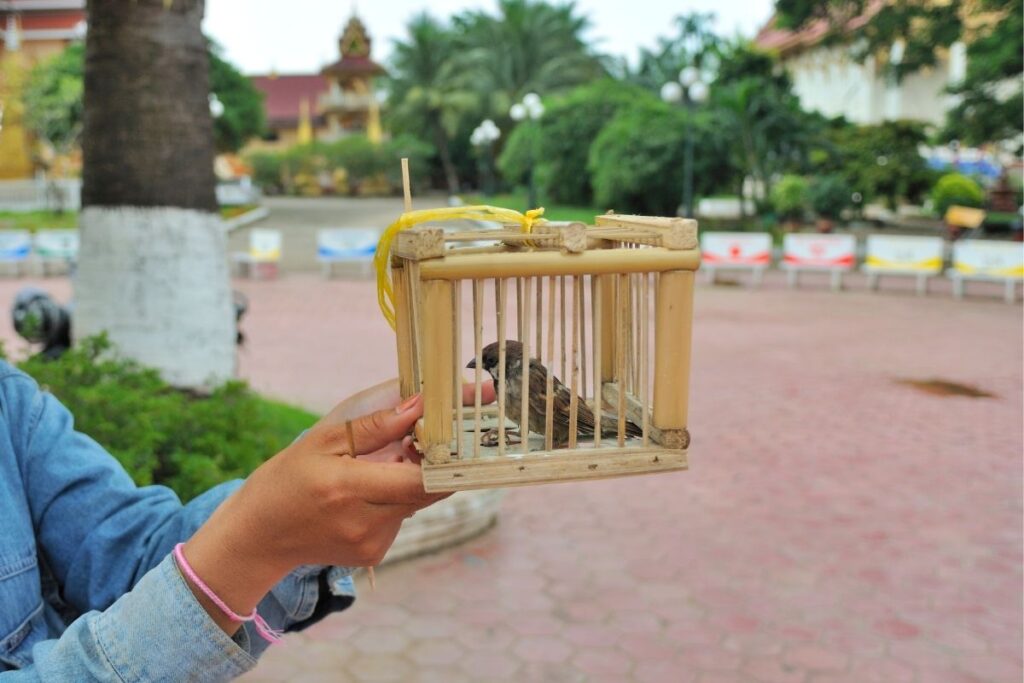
607 309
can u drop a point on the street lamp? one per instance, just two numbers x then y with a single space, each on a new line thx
688 91
531 108
484 136
216 106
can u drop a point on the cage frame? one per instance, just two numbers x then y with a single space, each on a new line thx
424 274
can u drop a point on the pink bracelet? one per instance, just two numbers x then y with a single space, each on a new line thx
268 634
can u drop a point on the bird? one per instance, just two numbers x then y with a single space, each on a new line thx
489 361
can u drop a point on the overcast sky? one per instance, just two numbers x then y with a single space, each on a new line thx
300 36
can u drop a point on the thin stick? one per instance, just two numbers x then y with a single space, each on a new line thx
595 336
457 369
581 309
524 415
478 330
372 578
412 273
645 380
519 308
624 327
500 318
577 289
561 294
540 318
549 409
406 189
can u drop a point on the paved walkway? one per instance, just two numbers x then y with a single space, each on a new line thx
835 525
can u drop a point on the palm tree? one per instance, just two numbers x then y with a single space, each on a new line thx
152 271
425 91
530 46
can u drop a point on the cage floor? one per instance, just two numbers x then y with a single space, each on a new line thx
486 468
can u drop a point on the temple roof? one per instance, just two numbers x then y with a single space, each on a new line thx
785 41
284 94
354 45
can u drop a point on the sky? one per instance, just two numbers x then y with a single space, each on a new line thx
300 36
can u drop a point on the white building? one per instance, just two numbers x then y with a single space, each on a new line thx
828 79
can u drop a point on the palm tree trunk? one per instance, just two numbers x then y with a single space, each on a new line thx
441 140
152 271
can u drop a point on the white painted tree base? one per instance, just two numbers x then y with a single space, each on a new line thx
156 281
451 521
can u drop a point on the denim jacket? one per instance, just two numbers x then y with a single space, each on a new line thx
88 589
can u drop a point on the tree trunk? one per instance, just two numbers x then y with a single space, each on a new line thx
450 174
152 270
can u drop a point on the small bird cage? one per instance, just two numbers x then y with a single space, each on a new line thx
606 309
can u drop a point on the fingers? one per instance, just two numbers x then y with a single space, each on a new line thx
371 432
487 394
389 483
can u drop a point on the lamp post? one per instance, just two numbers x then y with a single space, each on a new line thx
484 136
688 91
531 108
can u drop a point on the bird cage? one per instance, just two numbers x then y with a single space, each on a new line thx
604 311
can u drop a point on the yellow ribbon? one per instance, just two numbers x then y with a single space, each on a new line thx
382 257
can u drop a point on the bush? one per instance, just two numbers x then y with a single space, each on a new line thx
829 195
790 197
958 189
637 161
162 435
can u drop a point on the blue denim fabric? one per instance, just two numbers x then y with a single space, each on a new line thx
88 589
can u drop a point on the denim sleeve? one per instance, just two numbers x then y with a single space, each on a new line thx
103 536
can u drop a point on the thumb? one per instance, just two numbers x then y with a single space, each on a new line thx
373 431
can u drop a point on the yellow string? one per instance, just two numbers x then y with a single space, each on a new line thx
382 257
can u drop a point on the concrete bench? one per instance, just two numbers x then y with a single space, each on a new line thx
55 247
260 262
987 261
917 257
15 248
832 254
736 251
351 248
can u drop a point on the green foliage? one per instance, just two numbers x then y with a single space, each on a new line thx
243 116
160 434
790 197
694 44
53 98
636 163
956 189
829 195
882 161
523 149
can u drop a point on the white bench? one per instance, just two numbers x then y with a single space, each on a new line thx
832 254
987 261
353 248
919 257
15 248
261 261
56 247
742 251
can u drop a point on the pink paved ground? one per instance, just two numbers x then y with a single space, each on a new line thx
835 525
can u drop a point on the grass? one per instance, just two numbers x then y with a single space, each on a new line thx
284 420
49 220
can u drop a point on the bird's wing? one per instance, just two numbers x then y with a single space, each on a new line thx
561 400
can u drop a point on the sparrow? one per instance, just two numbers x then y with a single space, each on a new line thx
538 397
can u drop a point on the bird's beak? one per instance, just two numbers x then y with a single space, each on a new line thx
471 364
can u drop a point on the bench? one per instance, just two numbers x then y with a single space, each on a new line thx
918 257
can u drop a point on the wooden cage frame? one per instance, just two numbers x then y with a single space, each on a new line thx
620 254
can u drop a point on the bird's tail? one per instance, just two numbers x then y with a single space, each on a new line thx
610 427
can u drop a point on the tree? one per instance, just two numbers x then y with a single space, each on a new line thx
152 270
53 100
426 97
695 44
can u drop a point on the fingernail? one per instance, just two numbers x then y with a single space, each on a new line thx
406 441
407 403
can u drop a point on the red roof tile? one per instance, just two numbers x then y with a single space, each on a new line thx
284 95
357 66
51 20
771 37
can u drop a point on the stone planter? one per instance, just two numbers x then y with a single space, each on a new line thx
452 521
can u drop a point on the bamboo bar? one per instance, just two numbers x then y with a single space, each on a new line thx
415 296
524 415
501 287
437 385
595 336
673 316
478 330
561 338
540 263
608 329
645 352
540 317
403 333
623 327
550 392
457 366
574 400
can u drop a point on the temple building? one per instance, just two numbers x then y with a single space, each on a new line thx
30 31
339 101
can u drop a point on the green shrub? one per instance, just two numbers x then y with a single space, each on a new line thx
956 189
790 197
267 171
162 435
829 195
